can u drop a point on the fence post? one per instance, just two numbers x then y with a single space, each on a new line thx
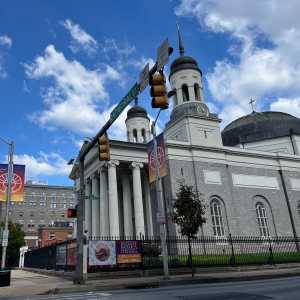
271 256
232 257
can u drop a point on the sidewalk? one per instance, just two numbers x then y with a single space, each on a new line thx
25 283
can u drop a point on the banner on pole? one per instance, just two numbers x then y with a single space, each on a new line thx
161 158
102 253
17 187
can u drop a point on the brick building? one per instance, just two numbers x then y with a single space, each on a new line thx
43 206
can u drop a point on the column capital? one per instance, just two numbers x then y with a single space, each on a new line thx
95 174
137 165
113 163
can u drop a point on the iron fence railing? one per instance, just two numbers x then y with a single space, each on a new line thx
206 251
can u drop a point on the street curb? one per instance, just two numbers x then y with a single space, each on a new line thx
171 282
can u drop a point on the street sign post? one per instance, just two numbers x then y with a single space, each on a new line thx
162 54
132 94
144 78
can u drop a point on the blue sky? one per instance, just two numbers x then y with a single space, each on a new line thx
64 64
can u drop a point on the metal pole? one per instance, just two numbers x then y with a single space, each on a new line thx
160 201
8 199
81 265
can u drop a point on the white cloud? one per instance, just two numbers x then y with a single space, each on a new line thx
51 164
265 45
290 106
5 41
81 40
73 99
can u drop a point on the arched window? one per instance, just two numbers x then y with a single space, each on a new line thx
144 135
134 135
262 221
197 92
217 218
185 93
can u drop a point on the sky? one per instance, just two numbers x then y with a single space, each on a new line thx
64 65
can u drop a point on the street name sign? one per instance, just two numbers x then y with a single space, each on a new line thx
162 54
132 94
144 78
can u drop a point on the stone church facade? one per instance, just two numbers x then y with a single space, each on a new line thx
249 174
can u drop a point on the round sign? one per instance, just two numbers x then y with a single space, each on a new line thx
16 185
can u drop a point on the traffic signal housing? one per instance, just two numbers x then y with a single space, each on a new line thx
158 91
104 151
72 212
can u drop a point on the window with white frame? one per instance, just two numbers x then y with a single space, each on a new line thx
63 201
217 218
43 199
53 201
185 93
32 201
262 221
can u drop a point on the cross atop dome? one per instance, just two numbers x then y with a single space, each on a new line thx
180 41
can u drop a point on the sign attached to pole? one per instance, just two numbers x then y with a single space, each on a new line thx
132 94
144 78
161 158
17 187
162 54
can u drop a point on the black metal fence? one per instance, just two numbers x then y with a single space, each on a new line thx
206 251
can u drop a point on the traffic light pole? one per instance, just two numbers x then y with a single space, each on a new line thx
160 202
8 199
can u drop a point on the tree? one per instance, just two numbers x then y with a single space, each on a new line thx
15 242
189 211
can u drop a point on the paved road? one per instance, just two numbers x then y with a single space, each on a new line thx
283 288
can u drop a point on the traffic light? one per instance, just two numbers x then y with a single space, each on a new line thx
158 91
103 143
72 213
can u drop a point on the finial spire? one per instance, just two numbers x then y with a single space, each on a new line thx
180 42
251 102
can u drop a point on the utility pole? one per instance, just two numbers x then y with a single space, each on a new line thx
160 203
8 199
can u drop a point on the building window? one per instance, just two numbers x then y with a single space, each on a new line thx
53 201
32 200
185 93
63 201
217 218
197 92
134 135
43 200
51 235
262 221
144 135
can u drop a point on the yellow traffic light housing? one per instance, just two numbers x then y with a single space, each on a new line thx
158 91
104 151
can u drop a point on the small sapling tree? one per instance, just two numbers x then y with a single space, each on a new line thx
189 211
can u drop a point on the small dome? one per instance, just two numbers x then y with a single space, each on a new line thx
137 111
184 63
259 126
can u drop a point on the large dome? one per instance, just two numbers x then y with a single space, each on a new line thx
184 63
259 126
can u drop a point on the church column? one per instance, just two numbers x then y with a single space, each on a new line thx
148 206
127 205
88 207
192 93
104 211
138 199
113 198
139 136
95 205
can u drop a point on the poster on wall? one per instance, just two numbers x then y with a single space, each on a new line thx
128 252
102 253
71 259
17 187
61 251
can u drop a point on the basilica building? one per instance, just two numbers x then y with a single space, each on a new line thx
249 173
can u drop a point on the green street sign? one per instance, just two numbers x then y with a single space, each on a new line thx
132 94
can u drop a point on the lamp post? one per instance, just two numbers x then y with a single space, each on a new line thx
8 198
